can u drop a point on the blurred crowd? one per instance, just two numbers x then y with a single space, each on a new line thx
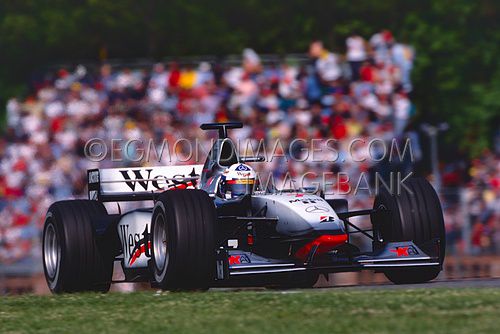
361 93
473 208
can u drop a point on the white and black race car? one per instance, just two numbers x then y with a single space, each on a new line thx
210 225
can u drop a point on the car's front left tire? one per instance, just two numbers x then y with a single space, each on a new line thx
183 240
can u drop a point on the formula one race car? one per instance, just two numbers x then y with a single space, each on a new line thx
211 225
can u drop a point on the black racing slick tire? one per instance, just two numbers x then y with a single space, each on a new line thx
414 214
74 259
183 240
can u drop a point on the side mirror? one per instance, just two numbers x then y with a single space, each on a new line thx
253 159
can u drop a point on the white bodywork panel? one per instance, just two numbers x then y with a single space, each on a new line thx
298 213
127 181
134 230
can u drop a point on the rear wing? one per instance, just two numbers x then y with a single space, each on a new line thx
139 184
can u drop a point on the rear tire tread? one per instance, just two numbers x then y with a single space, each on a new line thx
86 263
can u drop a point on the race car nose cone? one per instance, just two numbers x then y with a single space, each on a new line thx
323 244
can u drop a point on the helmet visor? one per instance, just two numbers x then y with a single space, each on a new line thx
240 189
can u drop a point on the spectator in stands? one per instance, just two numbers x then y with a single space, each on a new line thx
402 56
326 63
402 109
356 54
381 44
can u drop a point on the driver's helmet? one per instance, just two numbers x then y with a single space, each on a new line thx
237 180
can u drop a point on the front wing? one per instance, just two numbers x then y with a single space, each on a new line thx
232 263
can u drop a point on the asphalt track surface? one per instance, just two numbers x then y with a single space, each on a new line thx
448 284
443 284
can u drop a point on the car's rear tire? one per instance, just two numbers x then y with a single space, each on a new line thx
183 240
74 259
414 214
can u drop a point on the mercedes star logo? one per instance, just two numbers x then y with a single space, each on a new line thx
316 209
